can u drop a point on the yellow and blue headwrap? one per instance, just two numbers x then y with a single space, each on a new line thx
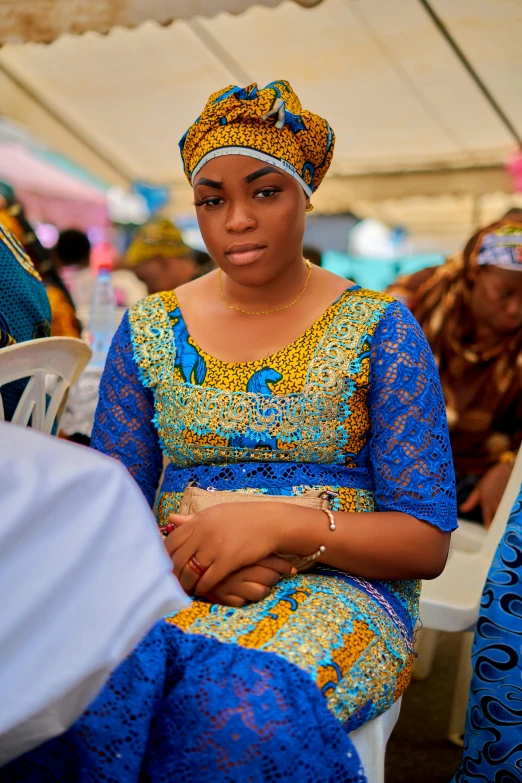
267 124
159 238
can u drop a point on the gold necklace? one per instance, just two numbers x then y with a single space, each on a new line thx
264 312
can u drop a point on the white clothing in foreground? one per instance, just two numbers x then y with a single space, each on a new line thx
83 577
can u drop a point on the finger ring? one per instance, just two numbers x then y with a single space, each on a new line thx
196 566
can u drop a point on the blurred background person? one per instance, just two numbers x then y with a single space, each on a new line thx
159 256
71 257
12 216
25 313
470 309
204 263
72 254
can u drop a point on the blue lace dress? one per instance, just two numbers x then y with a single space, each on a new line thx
353 406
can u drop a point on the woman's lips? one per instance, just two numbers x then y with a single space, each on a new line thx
240 255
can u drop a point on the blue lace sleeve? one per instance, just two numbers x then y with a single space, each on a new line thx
123 427
409 446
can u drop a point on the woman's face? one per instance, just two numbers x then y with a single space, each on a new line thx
251 216
496 299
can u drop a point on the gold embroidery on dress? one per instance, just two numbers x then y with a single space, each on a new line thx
308 425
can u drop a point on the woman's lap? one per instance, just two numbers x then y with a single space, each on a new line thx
185 707
297 671
348 644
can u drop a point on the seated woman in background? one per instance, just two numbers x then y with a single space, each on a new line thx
274 378
24 307
470 310
159 257
64 322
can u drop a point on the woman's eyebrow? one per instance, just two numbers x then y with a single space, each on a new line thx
210 183
261 173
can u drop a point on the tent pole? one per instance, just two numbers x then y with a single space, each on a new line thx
443 30
219 51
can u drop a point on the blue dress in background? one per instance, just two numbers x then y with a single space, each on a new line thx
493 736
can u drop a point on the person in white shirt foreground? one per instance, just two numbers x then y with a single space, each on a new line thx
83 576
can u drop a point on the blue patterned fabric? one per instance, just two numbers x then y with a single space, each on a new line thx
493 736
25 313
273 476
185 708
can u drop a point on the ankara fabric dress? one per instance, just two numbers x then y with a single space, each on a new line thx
353 405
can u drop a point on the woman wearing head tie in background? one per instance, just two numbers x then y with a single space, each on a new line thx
12 217
272 379
470 310
159 257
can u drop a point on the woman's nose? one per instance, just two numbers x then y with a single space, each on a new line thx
239 219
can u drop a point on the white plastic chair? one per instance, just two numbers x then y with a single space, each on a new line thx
469 537
452 601
371 739
42 403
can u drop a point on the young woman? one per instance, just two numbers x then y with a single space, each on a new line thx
470 309
270 377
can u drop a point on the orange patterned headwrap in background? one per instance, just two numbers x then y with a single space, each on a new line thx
267 124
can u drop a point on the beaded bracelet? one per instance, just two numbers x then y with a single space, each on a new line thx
300 561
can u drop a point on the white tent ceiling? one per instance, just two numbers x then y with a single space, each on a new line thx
417 141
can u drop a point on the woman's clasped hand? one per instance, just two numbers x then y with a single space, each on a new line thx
226 553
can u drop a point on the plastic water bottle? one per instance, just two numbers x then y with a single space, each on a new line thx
102 316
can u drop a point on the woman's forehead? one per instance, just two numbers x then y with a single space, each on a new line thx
231 169
511 277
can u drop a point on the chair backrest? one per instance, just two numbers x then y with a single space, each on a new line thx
42 403
500 519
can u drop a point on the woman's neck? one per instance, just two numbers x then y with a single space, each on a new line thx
278 292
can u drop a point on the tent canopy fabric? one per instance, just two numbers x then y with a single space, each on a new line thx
412 125
50 195
43 21
51 187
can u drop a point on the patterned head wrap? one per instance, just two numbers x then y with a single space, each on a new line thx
267 124
158 238
502 247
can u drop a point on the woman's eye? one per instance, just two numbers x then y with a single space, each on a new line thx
212 201
267 192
